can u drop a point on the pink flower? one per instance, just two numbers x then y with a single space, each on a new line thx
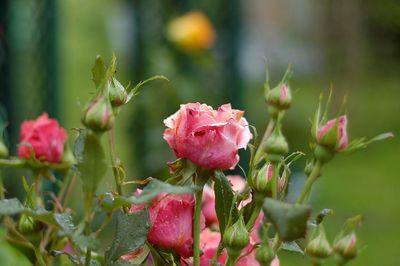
44 138
171 218
339 140
209 138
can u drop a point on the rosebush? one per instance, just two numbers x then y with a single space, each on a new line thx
195 216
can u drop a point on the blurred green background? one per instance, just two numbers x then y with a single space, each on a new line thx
48 48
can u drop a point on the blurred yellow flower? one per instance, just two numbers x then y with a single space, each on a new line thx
193 32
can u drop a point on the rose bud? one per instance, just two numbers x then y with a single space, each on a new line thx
209 138
279 98
333 134
171 218
276 146
192 32
318 247
265 255
346 247
261 182
99 116
117 93
27 224
236 237
43 139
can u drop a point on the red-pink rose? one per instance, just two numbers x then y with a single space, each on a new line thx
209 138
44 138
171 218
340 142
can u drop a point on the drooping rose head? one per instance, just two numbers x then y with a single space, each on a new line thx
333 134
207 137
171 218
44 138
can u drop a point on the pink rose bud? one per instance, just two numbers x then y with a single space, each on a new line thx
209 138
280 97
99 116
171 218
318 247
333 134
346 247
117 93
43 138
236 237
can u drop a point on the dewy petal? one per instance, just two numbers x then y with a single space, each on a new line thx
171 218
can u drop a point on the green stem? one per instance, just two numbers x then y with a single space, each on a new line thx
217 253
275 175
117 178
88 194
260 149
276 243
196 227
2 189
258 201
309 182
12 163
230 261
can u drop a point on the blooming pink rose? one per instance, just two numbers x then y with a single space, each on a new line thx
209 138
171 218
44 138
341 141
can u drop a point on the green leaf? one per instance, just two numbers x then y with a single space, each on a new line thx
10 255
155 186
289 220
225 205
135 89
10 207
98 71
91 159
292 247
131 234
362 143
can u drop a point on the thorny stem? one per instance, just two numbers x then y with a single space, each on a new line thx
309 182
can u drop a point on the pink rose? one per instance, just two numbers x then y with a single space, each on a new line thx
44 138
340 140
209 138
171 218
